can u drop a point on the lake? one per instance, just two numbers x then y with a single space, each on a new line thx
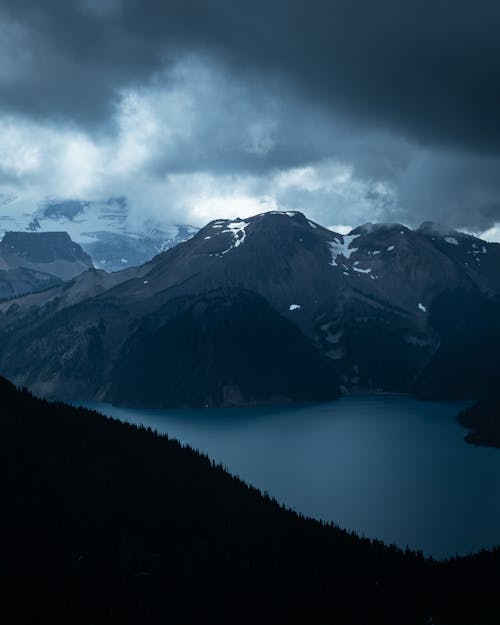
386 466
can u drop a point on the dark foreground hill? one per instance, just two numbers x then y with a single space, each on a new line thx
103 522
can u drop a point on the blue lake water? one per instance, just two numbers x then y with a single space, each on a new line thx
386 466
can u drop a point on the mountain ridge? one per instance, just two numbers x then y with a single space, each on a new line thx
380 305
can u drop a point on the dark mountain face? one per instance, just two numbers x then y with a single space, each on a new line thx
43 247
386 307
53 253
15 283
226 347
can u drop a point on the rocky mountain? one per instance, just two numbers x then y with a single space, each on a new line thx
20 281
62 295
384 308
104 229
33 262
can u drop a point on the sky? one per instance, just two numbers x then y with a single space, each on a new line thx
347 110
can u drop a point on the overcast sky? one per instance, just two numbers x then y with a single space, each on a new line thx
348 110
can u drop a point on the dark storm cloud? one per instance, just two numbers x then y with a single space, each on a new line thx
431 70
405 92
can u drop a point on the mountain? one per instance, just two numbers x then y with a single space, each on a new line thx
52 252
20 281
104 229
384 308
113 251
62 295
225 347
34 262
104 522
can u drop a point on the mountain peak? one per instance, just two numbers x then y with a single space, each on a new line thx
263 231
370 228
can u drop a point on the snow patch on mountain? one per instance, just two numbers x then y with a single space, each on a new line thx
237 229
294 307
342 248
359 270
451 240
284 213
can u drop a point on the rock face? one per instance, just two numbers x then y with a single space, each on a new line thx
384 308
30 263
53 253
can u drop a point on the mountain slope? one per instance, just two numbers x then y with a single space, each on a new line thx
86 285
15 283
227 347
53 253
107 523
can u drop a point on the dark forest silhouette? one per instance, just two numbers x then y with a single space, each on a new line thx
104 522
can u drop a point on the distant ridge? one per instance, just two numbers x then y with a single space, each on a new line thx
103 228
32 262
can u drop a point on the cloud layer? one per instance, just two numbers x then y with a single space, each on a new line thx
347 110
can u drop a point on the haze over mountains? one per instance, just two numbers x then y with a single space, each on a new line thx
272 308
104 229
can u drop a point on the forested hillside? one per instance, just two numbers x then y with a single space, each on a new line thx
103 522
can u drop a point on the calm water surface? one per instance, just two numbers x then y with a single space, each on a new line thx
386 466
